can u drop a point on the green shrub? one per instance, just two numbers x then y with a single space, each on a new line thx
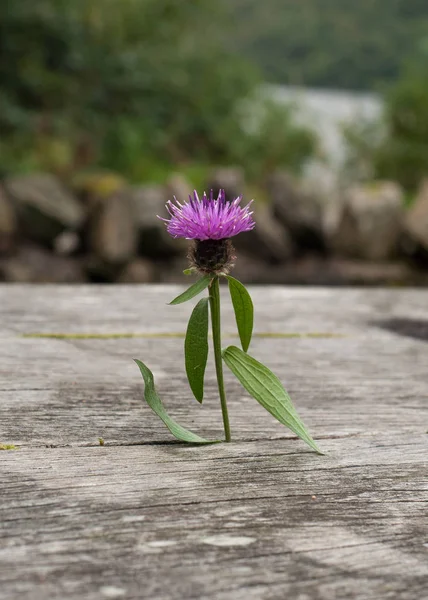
117 80
136 86
278 140
397 147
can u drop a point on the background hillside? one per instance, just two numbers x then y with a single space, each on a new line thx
330 43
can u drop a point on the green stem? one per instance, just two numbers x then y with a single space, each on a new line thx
216 328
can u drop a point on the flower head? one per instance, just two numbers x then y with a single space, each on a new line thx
208 218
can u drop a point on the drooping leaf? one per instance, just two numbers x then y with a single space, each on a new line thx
196 348
193 290
267 389
155 403
244 310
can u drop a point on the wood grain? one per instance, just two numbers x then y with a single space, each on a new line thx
263 517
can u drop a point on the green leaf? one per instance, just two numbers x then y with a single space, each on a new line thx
189 271
155 403
244 310
193 290
196 348
267 389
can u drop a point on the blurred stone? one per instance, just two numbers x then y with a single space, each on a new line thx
172 271
45 207
66 243
314 270
298 210
98 271
371 222
416 225
8 224
113 235
177 185
139 270
268 241
32 264
96 186
55 154
229 179
154 240
375 273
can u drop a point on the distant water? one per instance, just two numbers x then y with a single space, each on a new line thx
327 111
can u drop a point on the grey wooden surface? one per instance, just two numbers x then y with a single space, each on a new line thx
263 517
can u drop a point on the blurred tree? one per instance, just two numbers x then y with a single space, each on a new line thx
397 148
135 86
273 138
329 43
146 75
404 154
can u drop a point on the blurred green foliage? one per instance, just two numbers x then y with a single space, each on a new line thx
136 86
397 147
404 154
329 43
274 137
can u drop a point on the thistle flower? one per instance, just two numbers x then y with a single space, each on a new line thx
210 223
209 218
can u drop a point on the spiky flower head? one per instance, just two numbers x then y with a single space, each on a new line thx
208 218
210 223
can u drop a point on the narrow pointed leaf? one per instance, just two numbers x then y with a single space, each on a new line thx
267 389
244 311
193 290
189 271
196 348
155 403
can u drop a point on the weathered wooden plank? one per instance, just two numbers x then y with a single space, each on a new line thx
261 518
245 520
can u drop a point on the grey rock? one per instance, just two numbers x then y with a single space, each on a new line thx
268 241
316 270
298 210
341 271
32 264
8 224
97 185
99 271
140 270
66 243
416 224
45 207
113 229
172 271
177 185
229 179
371 222
154 240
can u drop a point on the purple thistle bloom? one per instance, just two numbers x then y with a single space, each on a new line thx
208 218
